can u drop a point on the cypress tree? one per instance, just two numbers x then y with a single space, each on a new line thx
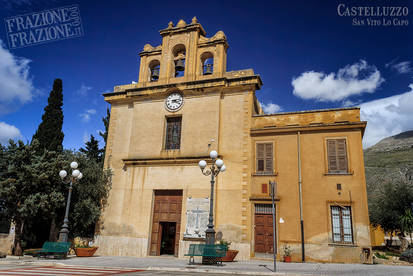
49 133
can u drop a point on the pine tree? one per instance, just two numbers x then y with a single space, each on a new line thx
92 150
49 133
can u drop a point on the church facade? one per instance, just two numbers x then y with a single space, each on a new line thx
186 104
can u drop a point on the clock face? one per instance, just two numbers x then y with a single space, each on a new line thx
174 101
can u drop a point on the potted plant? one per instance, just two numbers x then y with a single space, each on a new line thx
287 253
83 249
231 254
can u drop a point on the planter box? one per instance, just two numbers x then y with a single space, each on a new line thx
85 252
230 256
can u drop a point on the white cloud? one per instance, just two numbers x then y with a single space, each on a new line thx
85 136
402 67
83 89
15 82
270 108
351 80
388 116
85 116
8 132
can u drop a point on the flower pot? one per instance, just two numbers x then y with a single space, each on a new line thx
230 256
287 259
85 252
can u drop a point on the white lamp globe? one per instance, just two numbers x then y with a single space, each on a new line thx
75 173
62 174
213 154
73 165
80 176
219 163
223 168
202 164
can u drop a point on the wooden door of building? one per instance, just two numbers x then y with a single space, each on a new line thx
166 212
263 228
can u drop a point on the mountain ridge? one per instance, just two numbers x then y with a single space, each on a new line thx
401 141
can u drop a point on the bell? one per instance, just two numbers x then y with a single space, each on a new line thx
155 74
208 69
179 65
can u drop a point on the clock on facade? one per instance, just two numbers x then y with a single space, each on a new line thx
174 102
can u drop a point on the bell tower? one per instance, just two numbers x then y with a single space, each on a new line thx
186 54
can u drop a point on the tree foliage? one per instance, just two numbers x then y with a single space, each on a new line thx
49 133
406 222
89 196
28 184
105 121
30 188
389 202
92 150
104 135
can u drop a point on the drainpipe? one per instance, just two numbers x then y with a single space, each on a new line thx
300 196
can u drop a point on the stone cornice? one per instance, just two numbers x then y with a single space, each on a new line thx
254 81
187 160
187 28
323 127
263 198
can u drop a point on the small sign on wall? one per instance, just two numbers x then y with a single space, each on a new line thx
197 213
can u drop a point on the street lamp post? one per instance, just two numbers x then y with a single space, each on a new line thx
76 175
216 167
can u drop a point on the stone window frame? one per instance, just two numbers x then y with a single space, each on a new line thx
348 170
264 171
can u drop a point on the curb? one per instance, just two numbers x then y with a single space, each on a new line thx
217 271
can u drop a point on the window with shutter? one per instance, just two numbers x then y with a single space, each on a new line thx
264 156
337 156
173 133
342 228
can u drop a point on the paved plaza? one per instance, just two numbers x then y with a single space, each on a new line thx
174 266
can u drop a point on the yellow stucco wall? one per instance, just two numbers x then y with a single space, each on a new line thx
319 189
377 236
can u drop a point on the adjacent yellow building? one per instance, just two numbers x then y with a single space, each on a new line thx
186 104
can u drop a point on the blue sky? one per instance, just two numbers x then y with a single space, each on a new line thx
309 54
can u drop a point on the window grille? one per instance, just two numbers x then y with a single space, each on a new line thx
263 208
173 133
341 224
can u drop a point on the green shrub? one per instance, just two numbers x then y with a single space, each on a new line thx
381 256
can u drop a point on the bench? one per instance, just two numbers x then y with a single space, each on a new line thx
216 251
56 249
